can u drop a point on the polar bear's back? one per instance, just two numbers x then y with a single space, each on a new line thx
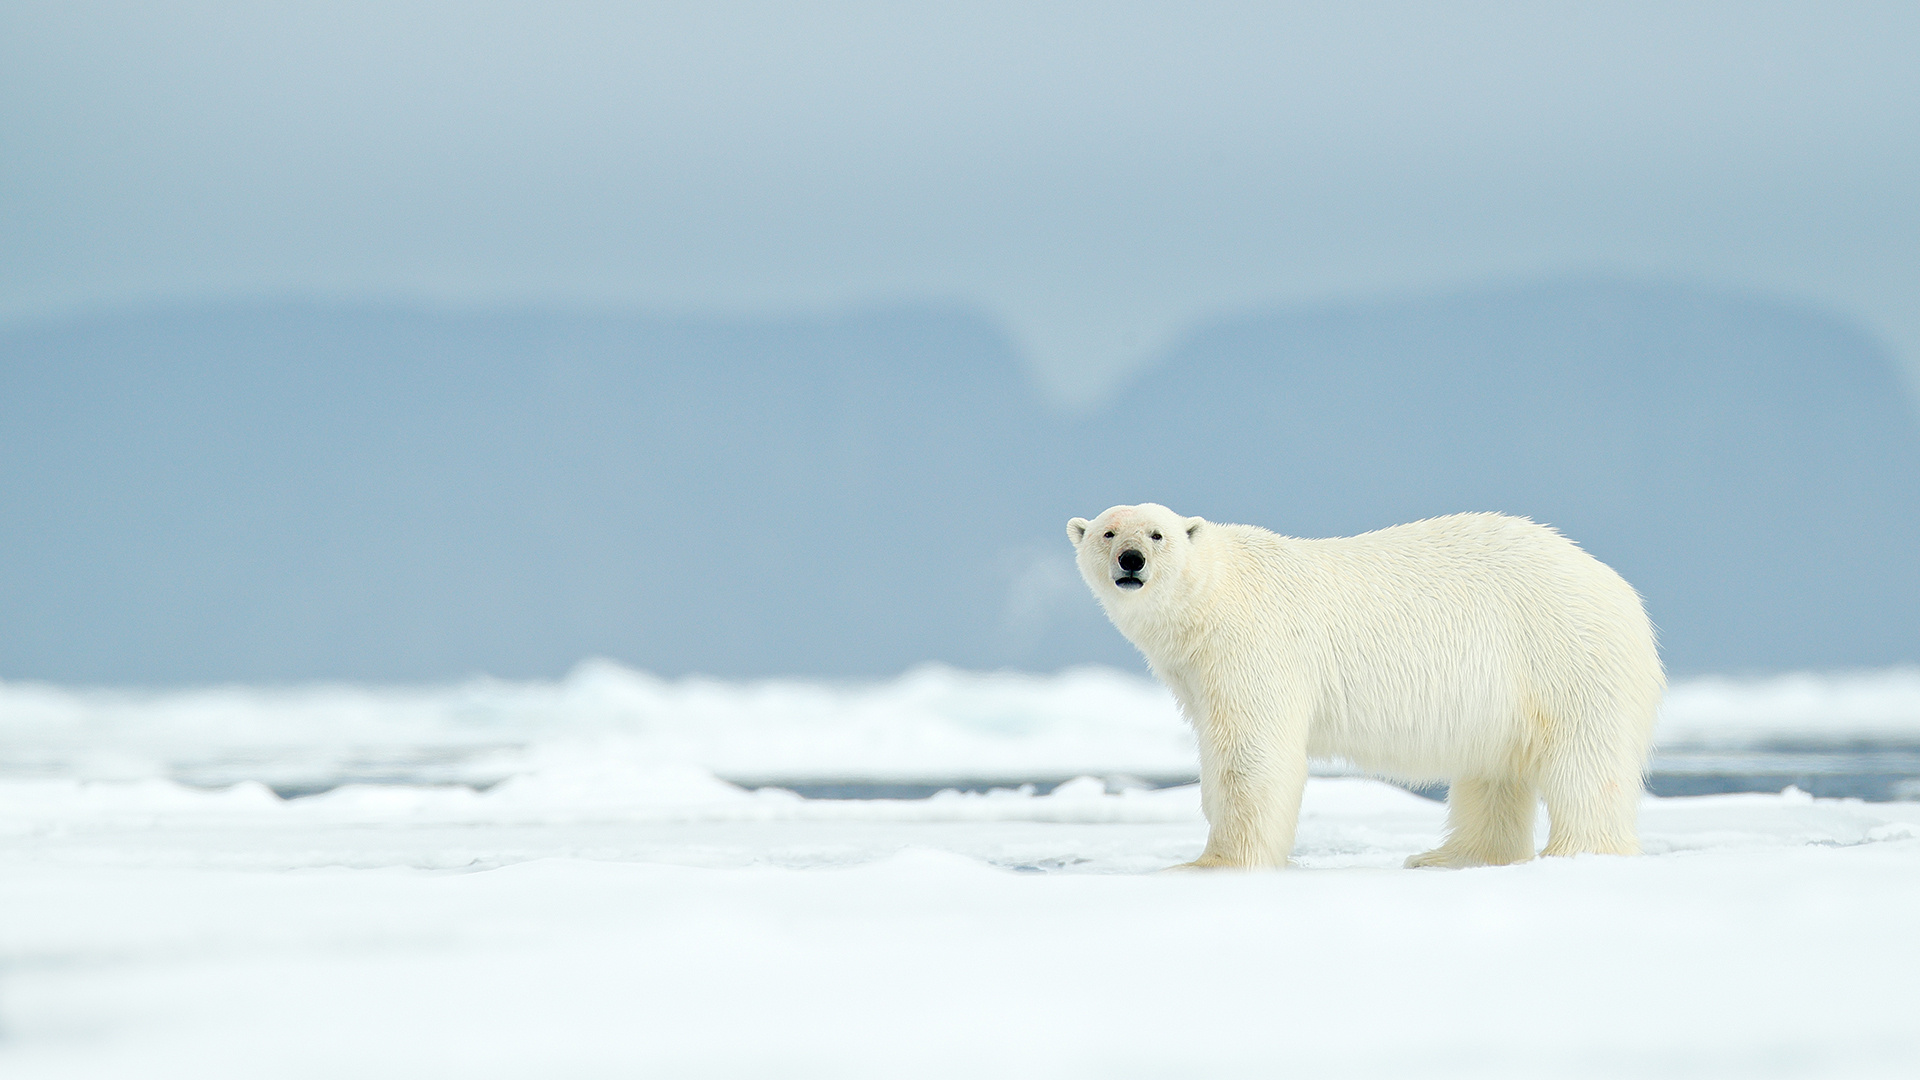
1455 643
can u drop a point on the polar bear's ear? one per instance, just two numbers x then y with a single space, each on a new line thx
1077 530
1193 526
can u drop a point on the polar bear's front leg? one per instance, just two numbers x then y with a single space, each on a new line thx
1250 789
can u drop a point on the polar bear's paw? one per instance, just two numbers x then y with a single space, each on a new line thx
1447 858
1218 862
1439 858
1201 863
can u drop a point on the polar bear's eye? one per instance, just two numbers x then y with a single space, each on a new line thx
1156 536
1109 534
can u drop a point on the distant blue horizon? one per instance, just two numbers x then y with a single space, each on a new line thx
308 491
1091 393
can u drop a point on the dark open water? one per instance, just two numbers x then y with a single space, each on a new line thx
1875 772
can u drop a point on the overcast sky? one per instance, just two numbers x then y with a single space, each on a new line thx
1095 176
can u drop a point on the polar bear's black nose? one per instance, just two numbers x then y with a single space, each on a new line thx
1131 561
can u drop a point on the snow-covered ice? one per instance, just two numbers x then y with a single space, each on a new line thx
607 907
933 723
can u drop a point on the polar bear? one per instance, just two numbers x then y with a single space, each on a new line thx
1484 650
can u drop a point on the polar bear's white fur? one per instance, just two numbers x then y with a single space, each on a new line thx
1483 650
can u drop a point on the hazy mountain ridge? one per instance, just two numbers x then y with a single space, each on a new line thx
1753 468
285 491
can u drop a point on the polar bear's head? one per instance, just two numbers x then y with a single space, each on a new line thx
1127 549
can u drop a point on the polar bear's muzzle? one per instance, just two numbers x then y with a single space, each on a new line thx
1131 563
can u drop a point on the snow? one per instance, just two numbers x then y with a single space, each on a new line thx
1863 706
933 723
607 906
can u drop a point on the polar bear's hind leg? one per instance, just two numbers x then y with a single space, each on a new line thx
1592 784
1592 808
1489 823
